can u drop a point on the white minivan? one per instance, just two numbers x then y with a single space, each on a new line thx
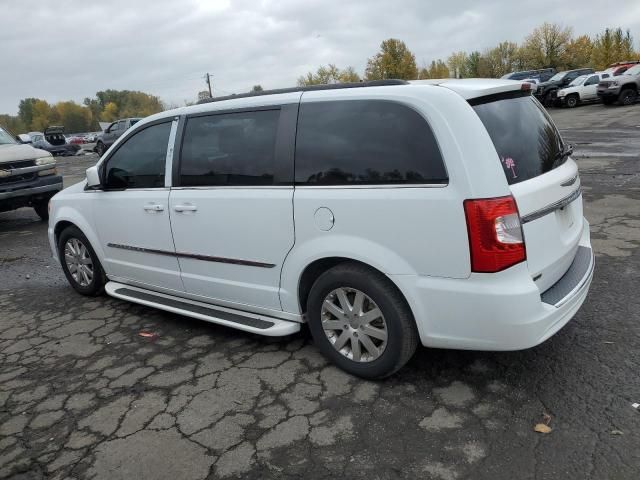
382 214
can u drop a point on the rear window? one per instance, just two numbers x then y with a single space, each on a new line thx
365 142
527 141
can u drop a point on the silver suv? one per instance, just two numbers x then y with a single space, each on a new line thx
622 89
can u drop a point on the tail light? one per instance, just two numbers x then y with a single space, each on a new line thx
495 234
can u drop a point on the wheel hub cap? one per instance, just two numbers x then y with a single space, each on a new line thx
354 324
78 261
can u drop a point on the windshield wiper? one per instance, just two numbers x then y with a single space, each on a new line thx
568 150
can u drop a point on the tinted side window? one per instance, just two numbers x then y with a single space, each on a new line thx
230 149
365 142
140 161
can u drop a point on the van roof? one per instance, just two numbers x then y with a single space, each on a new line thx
467 88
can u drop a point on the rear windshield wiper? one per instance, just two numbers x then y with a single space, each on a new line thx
566 151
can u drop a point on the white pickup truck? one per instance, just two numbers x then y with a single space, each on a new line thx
582 89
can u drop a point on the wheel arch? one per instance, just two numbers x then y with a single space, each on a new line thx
67 216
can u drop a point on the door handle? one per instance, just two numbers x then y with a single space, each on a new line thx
187 207
153 207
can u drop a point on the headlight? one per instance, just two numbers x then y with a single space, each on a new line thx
613 84
45 160
561 93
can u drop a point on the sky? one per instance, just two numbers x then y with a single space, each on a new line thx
70 49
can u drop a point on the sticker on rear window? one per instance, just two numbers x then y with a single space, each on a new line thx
509 164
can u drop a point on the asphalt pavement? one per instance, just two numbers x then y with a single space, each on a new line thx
84 395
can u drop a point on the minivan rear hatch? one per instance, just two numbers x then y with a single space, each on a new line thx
542 177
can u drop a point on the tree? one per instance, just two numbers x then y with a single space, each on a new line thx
41 115
329 74
458 62
25 111
546 46
257 88
611 46
74 117
110 112
578 52
13 123
500 60
473 64
394 60
127 104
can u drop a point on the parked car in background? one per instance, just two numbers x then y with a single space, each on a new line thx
53 140
76 140
112 133
622 90
500 258
542 74
582 89
547 91
616 69
28 176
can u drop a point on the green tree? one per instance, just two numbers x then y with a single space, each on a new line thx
473 64
127 104
611 46
503 58
257 88
394 60
546 46
25 111
458 63
75 118
329 74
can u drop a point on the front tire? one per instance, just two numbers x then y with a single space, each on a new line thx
42 209
80 263
100 149
572 101
607 101
360 321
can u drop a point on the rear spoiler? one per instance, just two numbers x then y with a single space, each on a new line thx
494 97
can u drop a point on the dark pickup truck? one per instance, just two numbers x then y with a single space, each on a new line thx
28 176
546 91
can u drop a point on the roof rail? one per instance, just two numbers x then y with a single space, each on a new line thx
309 88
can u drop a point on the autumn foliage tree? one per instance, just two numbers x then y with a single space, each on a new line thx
329 74
394 60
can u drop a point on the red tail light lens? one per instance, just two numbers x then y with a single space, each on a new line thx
495 234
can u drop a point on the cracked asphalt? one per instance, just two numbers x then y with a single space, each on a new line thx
82 395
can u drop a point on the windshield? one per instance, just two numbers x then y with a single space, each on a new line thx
527 141
6 138
557 76
578 81
633 70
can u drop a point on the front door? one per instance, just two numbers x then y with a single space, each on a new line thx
589 90
132 211
232 213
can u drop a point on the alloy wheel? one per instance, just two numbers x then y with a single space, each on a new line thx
354 324
79 263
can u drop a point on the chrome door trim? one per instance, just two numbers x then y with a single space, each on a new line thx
194 256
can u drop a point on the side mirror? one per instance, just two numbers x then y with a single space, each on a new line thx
93 177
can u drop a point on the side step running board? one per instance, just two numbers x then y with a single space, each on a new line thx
249 322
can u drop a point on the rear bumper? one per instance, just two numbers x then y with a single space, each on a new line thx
502 311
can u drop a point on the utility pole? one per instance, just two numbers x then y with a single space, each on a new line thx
208 78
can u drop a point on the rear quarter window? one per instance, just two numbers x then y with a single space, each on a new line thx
527 141
365 142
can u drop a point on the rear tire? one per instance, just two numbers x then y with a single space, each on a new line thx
373 348
80 263
572 101
627 97
42 209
